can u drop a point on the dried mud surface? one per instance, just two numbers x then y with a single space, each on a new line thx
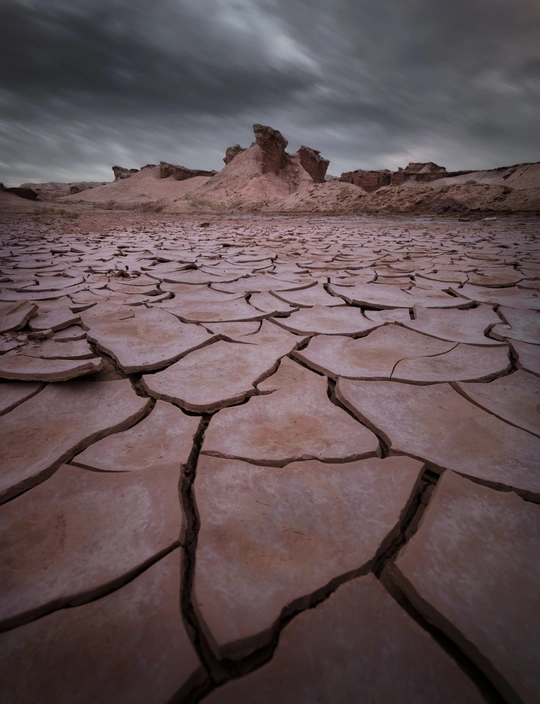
269 459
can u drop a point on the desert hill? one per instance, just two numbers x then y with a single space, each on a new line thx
265 178
256 178
144 190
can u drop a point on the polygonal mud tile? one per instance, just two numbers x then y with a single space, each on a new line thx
27 368
373 356
472 569
494 277
55 319
446 275
296 421
33 297
73 332
53 283
107 311
513 297
436 424
82 531
271 305
14 316
210 312
523 325
200 294
14 392
352 277
198 277
528 356
36 437
456 325
514 398
385 296
271 538
128 646
390 315
148 290
149 339
217 375
306 298
462 362
137 282
270 334
163 438
403 282
326 320
358 645
9 342
261 283
240 329
51 349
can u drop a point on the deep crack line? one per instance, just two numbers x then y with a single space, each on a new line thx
188 538
383 569
384 442
409 522
486 688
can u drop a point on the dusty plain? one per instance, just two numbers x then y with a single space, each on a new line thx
268 458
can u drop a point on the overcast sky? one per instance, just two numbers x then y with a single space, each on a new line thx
85 84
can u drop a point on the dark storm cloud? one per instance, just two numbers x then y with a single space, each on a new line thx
169 57
87 83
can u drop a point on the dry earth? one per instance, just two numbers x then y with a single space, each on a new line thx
268 459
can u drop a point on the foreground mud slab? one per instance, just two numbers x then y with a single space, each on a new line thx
269 459
323 657
73 654
458 572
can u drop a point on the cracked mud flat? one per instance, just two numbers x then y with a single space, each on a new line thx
269 459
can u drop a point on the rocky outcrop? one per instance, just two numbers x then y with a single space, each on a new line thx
120 172
272 144
370 181
181 173
419 172
232 152
27 193
312 161
428 167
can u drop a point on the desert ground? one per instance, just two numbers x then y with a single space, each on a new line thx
268 458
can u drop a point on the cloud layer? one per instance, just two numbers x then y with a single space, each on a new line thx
88 83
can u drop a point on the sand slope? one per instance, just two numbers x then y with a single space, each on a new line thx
142 191
520 176
330 197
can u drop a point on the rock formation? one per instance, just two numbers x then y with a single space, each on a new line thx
420 172
273 145
232 152
371 181
181 173
368 180
313 163
121 172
